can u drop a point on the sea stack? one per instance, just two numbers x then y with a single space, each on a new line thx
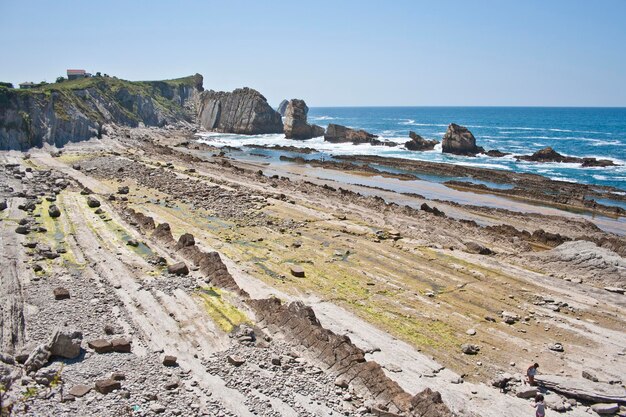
460 141
244 111
341 134
418 143
296 126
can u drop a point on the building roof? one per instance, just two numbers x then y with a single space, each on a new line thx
75 72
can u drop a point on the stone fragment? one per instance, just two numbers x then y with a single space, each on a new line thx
93 202
54 211
297 271
469 349
106 386
179 268
471 332
235 360
61 293
121 345
170 360
100 345
79 390
132 242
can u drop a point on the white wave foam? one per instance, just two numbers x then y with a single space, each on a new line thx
322 118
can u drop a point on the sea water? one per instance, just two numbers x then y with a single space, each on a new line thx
581 132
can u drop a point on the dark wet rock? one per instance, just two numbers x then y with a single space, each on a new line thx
243 111
496 153
296 125
548 154
132 242
93 202
123 190
433 210
22 230
341 134
460 141
3 205
282 107
53 211
418 143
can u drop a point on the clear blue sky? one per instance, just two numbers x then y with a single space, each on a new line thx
500 52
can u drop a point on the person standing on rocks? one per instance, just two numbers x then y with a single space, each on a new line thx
540 406
531 372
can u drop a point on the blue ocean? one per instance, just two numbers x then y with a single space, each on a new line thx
582 132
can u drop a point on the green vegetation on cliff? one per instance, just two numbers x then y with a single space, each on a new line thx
76 110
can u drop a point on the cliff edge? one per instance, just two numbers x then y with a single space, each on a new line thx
76 110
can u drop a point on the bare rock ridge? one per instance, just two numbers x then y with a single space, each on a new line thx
296 126
78 110
243 111
460 141
297 322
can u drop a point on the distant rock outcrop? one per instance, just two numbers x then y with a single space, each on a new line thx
418 143
244 111
341 134
460 141
282 107
72 111
550 155
296 126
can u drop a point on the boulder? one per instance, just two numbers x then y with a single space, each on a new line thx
53 211
526 392
61 293
548 154
106 386
66 343
170 360
100 345
496 153
469 349
123 189
93 202
282 107
179 268
509 318
243 111
460 141
121 345
418 143
341 134
296 126
297 271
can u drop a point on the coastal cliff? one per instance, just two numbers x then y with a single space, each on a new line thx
76 110
244 111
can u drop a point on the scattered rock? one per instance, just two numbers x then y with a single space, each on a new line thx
617 290
471 332
123 189
170 360
473 247
557 347
79 390
179 268
100 345
590 376
132 242
526 392
93 202
510 318
297 271
106 386
53 211
605 408
121 345
418 143
66 343
235 360
61 293
470 349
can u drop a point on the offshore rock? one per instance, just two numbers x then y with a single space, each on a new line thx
296 126
418 143
341 134
282 107
244 111
548 154
460 141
